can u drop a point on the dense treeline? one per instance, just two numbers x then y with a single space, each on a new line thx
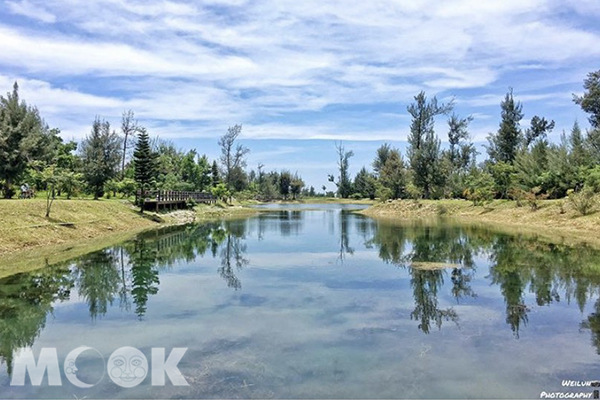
521 164
112 162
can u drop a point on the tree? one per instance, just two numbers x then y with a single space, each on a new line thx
590 101
69 182
365 184
393 175
296 186
22 134
578 153
383 152
539 129
504 144
129 127
232 155
344 183
285 180
214 174
101 154
462 153
424 145
145 165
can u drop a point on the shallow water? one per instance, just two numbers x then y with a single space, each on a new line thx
306 303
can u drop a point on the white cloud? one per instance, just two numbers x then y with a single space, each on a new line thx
30 10
191 68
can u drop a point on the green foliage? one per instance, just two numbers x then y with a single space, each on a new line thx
365 184
70 182
424 146
127 187
590 101
285 180
145 164
393 175
503 175
101 154
583 201
23 136
383 193
592 180
504 144
221 192
480 188
344 183
296 186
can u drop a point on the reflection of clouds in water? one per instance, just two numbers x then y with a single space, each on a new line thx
304 327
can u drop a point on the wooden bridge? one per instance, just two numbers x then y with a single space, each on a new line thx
157 199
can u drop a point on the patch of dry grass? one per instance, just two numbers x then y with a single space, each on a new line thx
554 218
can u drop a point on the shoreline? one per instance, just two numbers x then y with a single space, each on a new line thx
552 221
29 241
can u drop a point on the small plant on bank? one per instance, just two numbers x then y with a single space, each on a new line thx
518 195
534 196
441 209
561 207
583 201
191 203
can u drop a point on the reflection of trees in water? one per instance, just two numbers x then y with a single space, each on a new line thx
518 264
345 217
232 255
129 272
25 301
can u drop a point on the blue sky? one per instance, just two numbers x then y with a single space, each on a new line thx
297 75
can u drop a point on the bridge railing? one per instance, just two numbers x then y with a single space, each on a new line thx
173 195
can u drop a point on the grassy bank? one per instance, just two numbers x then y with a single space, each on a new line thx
554 218
23 226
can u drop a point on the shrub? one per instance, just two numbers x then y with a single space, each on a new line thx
356 196
518 195
191 203
534 196
441 209
583 201
383 193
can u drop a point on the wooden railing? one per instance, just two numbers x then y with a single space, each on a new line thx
174 196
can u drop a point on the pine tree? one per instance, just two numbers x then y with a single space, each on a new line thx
423 145
504 144
145 164
578 153
215 174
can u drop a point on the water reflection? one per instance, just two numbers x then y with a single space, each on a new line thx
438 259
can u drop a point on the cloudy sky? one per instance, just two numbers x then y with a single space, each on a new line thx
297 75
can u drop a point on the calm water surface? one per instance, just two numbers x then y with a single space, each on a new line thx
305 303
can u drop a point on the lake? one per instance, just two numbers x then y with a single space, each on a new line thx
310 301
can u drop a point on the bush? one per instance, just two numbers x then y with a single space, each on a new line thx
583 201
356 196
191 203
592 181
534 196
383 193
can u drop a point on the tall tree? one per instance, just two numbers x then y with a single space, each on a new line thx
344 182
214 174
233 155
423 144
21 137
462 152
145 164
590 100
504 144
129 127
101 154
285 180
578 151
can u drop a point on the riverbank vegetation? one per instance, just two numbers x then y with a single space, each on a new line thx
521 165
116 162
